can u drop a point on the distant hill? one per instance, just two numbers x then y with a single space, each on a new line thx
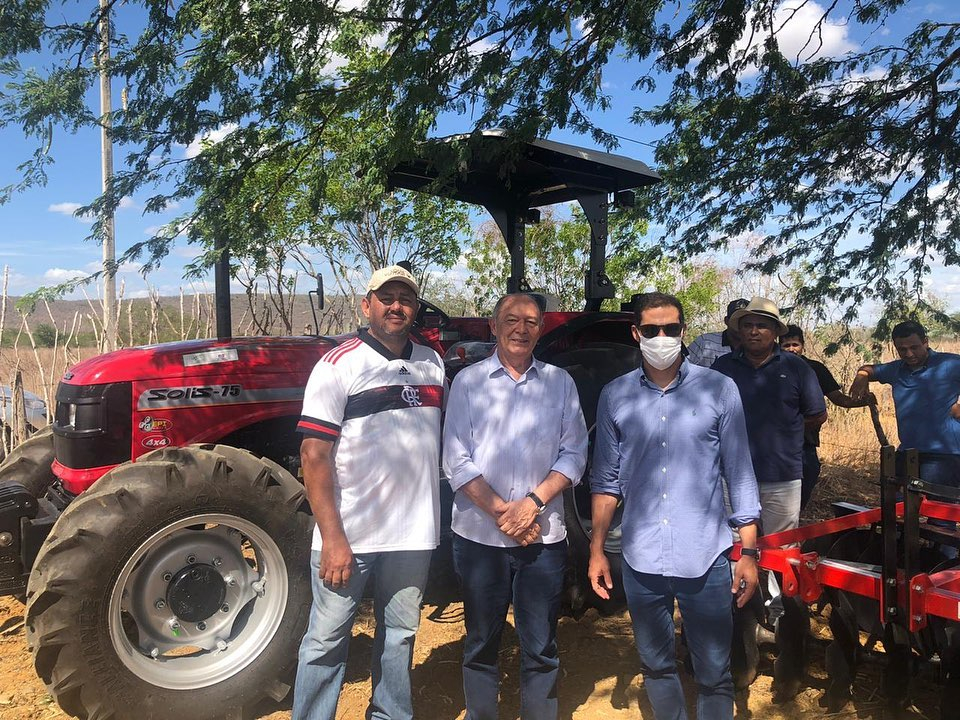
173 318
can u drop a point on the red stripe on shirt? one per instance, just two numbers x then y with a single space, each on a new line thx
334 355
317 429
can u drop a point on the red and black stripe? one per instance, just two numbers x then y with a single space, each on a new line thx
392 397
313 427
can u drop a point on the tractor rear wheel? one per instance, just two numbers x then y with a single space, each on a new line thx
176 587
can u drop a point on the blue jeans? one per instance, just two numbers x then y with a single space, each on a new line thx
399 579
491 578
706 608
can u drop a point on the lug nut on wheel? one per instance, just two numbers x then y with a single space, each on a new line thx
201 626
160 604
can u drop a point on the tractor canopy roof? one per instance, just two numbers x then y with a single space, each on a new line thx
496 171
511 177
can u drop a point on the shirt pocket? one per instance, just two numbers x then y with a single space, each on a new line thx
547 433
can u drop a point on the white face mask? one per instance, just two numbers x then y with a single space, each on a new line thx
660 352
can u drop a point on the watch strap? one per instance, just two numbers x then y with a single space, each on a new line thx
541 505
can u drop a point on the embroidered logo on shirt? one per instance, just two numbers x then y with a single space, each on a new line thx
403 371
411 396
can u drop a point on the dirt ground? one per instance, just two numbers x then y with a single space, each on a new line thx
599 666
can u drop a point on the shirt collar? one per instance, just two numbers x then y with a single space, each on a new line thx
495 366
370 340
741 355
676 383
910 371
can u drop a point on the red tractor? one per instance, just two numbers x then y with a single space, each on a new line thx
159 533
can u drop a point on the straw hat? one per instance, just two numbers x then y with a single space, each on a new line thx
758 306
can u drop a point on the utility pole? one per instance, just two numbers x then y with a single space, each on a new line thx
106 152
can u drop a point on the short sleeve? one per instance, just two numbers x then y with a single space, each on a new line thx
828 383
324 401
811 396
886 373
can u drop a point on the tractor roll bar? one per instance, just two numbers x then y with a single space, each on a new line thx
512 178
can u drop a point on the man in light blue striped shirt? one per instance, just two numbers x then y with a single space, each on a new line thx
667 435
514 438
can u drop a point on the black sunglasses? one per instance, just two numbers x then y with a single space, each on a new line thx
651 331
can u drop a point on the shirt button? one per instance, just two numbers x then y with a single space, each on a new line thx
664 496
663 418
665 521
663 444
663 469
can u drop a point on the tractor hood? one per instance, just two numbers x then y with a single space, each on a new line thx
198 358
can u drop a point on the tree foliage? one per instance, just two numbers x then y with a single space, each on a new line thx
847 163
557 258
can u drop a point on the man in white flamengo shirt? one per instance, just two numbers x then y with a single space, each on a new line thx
371 458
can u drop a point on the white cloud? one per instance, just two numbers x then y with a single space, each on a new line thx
68 209
126 203
208 138
59 275
802 31
65 208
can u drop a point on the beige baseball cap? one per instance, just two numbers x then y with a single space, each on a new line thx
392 273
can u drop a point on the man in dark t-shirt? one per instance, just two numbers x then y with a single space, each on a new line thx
793 342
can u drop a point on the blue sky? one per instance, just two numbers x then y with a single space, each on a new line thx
43 243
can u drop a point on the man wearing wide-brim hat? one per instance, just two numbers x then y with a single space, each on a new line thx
780 396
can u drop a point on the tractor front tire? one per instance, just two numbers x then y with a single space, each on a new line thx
176 587
29 463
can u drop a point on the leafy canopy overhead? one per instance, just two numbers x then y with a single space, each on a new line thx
846 163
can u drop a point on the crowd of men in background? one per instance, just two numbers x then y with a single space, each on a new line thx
694 447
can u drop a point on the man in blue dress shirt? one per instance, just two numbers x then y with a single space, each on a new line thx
666 433
513 440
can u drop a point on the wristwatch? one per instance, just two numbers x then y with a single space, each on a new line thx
751 552
541 506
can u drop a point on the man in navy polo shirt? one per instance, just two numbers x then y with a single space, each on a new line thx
925 387
780 396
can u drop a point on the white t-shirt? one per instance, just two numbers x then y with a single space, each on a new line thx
382 412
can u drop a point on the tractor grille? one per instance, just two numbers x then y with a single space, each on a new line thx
92 425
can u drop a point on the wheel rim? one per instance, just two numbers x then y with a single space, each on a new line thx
226 578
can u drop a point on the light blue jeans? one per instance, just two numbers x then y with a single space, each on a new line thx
399 579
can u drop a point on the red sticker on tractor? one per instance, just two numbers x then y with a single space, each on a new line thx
155 424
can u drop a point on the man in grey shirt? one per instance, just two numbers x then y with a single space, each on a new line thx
513 440
708 347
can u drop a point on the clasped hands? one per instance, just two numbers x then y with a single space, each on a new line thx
518 520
